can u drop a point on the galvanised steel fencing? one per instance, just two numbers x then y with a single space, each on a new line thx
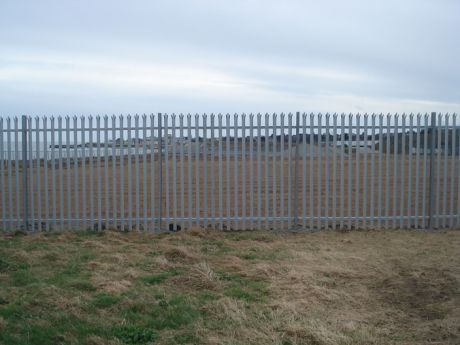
280 172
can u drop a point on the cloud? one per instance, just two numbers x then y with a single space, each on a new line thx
229 56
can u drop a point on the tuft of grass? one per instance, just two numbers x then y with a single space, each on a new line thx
10 262
160 277
104 300
14 310
249 256
248 289
74 265
173 314
239 292
180 254
88 233
7 266
154 253
82 285
200 277
22 278
133 334
186 337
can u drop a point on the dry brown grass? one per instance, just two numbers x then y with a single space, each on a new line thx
200 277
205 287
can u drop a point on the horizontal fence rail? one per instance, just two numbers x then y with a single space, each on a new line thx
229 172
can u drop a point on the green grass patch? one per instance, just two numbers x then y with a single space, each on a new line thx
248 235
9 262
88 233
164 313
74 264
26 326
22 278
274 254
249 256
6 242
237 291
154 253
81 285
206 296
73 273
215 247
133 334
7 266
175 313
248 289
13 311
36 246
104 300
186 337
159 277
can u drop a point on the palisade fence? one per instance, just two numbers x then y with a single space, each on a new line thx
279 172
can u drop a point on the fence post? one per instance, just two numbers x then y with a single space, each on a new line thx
25 190
431 181
160 169
296 170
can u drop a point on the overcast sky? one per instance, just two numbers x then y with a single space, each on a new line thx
107 56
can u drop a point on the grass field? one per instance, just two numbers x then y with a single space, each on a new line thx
197 287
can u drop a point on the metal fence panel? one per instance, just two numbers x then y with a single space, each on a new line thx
281 172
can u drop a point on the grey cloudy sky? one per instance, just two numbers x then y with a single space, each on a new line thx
106 56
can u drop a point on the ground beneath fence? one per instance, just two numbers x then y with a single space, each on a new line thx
196 287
